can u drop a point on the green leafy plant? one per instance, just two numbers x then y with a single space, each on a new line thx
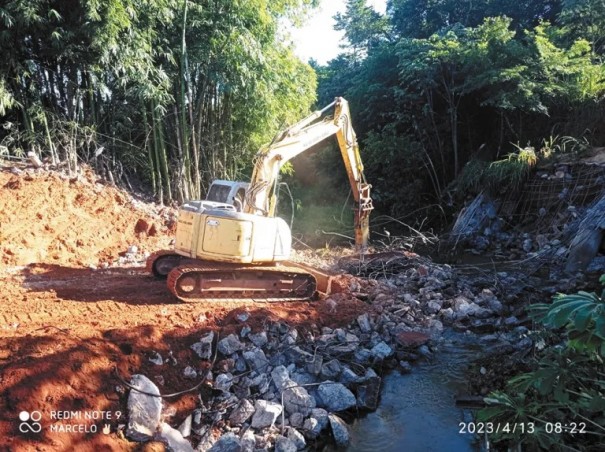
567 386
583 315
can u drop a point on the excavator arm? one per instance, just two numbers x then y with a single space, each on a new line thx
260 197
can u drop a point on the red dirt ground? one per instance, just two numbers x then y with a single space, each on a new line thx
67 325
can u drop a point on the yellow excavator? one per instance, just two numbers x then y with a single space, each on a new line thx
232 246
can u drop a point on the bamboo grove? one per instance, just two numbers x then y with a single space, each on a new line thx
171 93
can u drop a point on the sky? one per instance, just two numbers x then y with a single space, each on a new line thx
318 39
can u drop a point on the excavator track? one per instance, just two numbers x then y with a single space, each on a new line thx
197 282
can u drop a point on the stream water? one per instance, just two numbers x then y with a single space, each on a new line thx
417 411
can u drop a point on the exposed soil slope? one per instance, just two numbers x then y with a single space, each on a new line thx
49 218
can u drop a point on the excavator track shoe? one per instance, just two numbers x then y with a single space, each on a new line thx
195 283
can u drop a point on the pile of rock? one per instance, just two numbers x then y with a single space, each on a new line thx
282 388
277 388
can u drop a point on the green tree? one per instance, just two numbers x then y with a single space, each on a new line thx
422 18
364 28
462 80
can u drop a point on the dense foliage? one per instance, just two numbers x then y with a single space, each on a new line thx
564 397
178 92
436 84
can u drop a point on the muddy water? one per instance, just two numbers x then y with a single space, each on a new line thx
417 411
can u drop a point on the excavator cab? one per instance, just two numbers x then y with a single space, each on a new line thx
228 192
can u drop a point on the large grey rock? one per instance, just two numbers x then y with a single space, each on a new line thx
331 369
298 355
173 439
297 438
347 376
349 343
143 410
368 394
203 348
335 396
229 345
362 356
280 376
242 412
339 430
283 444
586 243
256 359
474 218
227 443
223 381
364 323
381 351
258 339
317 421
297 399
265 413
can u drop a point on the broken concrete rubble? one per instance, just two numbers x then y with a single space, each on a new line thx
227 443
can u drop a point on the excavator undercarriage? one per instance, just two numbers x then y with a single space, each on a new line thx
196 280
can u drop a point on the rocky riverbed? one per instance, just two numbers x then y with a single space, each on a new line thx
277 387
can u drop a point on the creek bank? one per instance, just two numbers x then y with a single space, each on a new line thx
277 387
554 219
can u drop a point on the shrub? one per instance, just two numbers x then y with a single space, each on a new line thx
567 387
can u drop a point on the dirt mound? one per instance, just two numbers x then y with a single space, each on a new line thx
48 218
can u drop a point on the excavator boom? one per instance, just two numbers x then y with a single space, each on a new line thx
296 140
